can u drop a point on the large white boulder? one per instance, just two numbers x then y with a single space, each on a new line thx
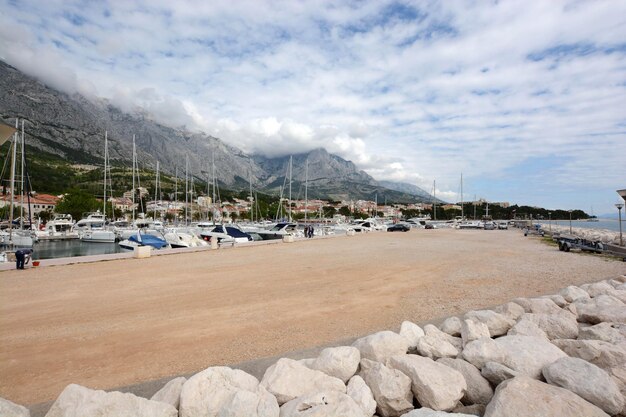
526 397
435 347
435 385
287 379
411 332
497 323
381 346
496 373
222 391
562 325
472 330
526 327
483 350
528 355
321 404
390 387
607 332
433 331
510 310
170 393
603 308
10 409
79 401
362 395
602 354
451 326
478 389
573 293
538 305
340 362
599 288
586 380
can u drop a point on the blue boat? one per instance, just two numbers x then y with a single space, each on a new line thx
143 240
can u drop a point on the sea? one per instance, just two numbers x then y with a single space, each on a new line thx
608 224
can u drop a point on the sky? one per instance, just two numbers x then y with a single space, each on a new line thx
525 99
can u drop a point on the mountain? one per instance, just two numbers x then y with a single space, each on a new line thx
408 189
71 129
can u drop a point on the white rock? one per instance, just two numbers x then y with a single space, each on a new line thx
434 385
170 393
390 387
562 325
510 310
558 299
451 326
603 308
79 401
287 379
526 397
10 409
528 355
472 410
221 391
483 350
538 305
427 412
526 327
599 288
434 347
496 322
607 332
308 362
478 389
619 294
573 293
362 395
381 346
411 332
602 354
472 330
496 373
433 331
321 404
340 362
586 380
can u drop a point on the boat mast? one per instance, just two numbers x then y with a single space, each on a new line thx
462 215
22 182
306 189
106 151
251 196
156 190
133 170
290 179
186 189
13 181
474 206
434 200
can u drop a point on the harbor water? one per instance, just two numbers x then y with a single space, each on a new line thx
607 224
49 249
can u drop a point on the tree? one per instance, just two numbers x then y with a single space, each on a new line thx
345 211
77 202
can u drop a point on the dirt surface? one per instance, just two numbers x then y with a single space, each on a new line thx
121 322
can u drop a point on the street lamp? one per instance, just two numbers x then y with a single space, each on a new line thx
570 221
550 222
622 193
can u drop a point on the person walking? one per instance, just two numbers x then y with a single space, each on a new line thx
311 230
22 256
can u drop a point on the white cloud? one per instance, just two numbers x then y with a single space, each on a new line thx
409 91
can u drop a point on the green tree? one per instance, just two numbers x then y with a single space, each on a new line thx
76 202
345 211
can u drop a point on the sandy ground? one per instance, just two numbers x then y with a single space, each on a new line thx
116 323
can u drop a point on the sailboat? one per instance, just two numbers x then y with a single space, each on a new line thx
19 237
592 218
96 230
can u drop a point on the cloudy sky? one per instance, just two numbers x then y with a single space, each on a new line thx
526 98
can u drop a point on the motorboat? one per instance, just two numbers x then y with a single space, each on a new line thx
140 239
92 228
16 237
226 234
470 225
59 228
181 238
278 231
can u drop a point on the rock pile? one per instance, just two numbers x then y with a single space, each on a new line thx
558 355
602 235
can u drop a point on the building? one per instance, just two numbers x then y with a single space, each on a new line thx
37 202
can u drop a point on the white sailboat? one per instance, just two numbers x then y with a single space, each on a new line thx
95 230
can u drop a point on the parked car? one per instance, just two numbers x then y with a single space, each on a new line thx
400 227
503 225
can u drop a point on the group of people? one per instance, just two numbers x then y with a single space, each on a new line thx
308 232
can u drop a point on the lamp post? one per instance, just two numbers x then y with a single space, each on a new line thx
619 211
622 193
550 222
570 221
